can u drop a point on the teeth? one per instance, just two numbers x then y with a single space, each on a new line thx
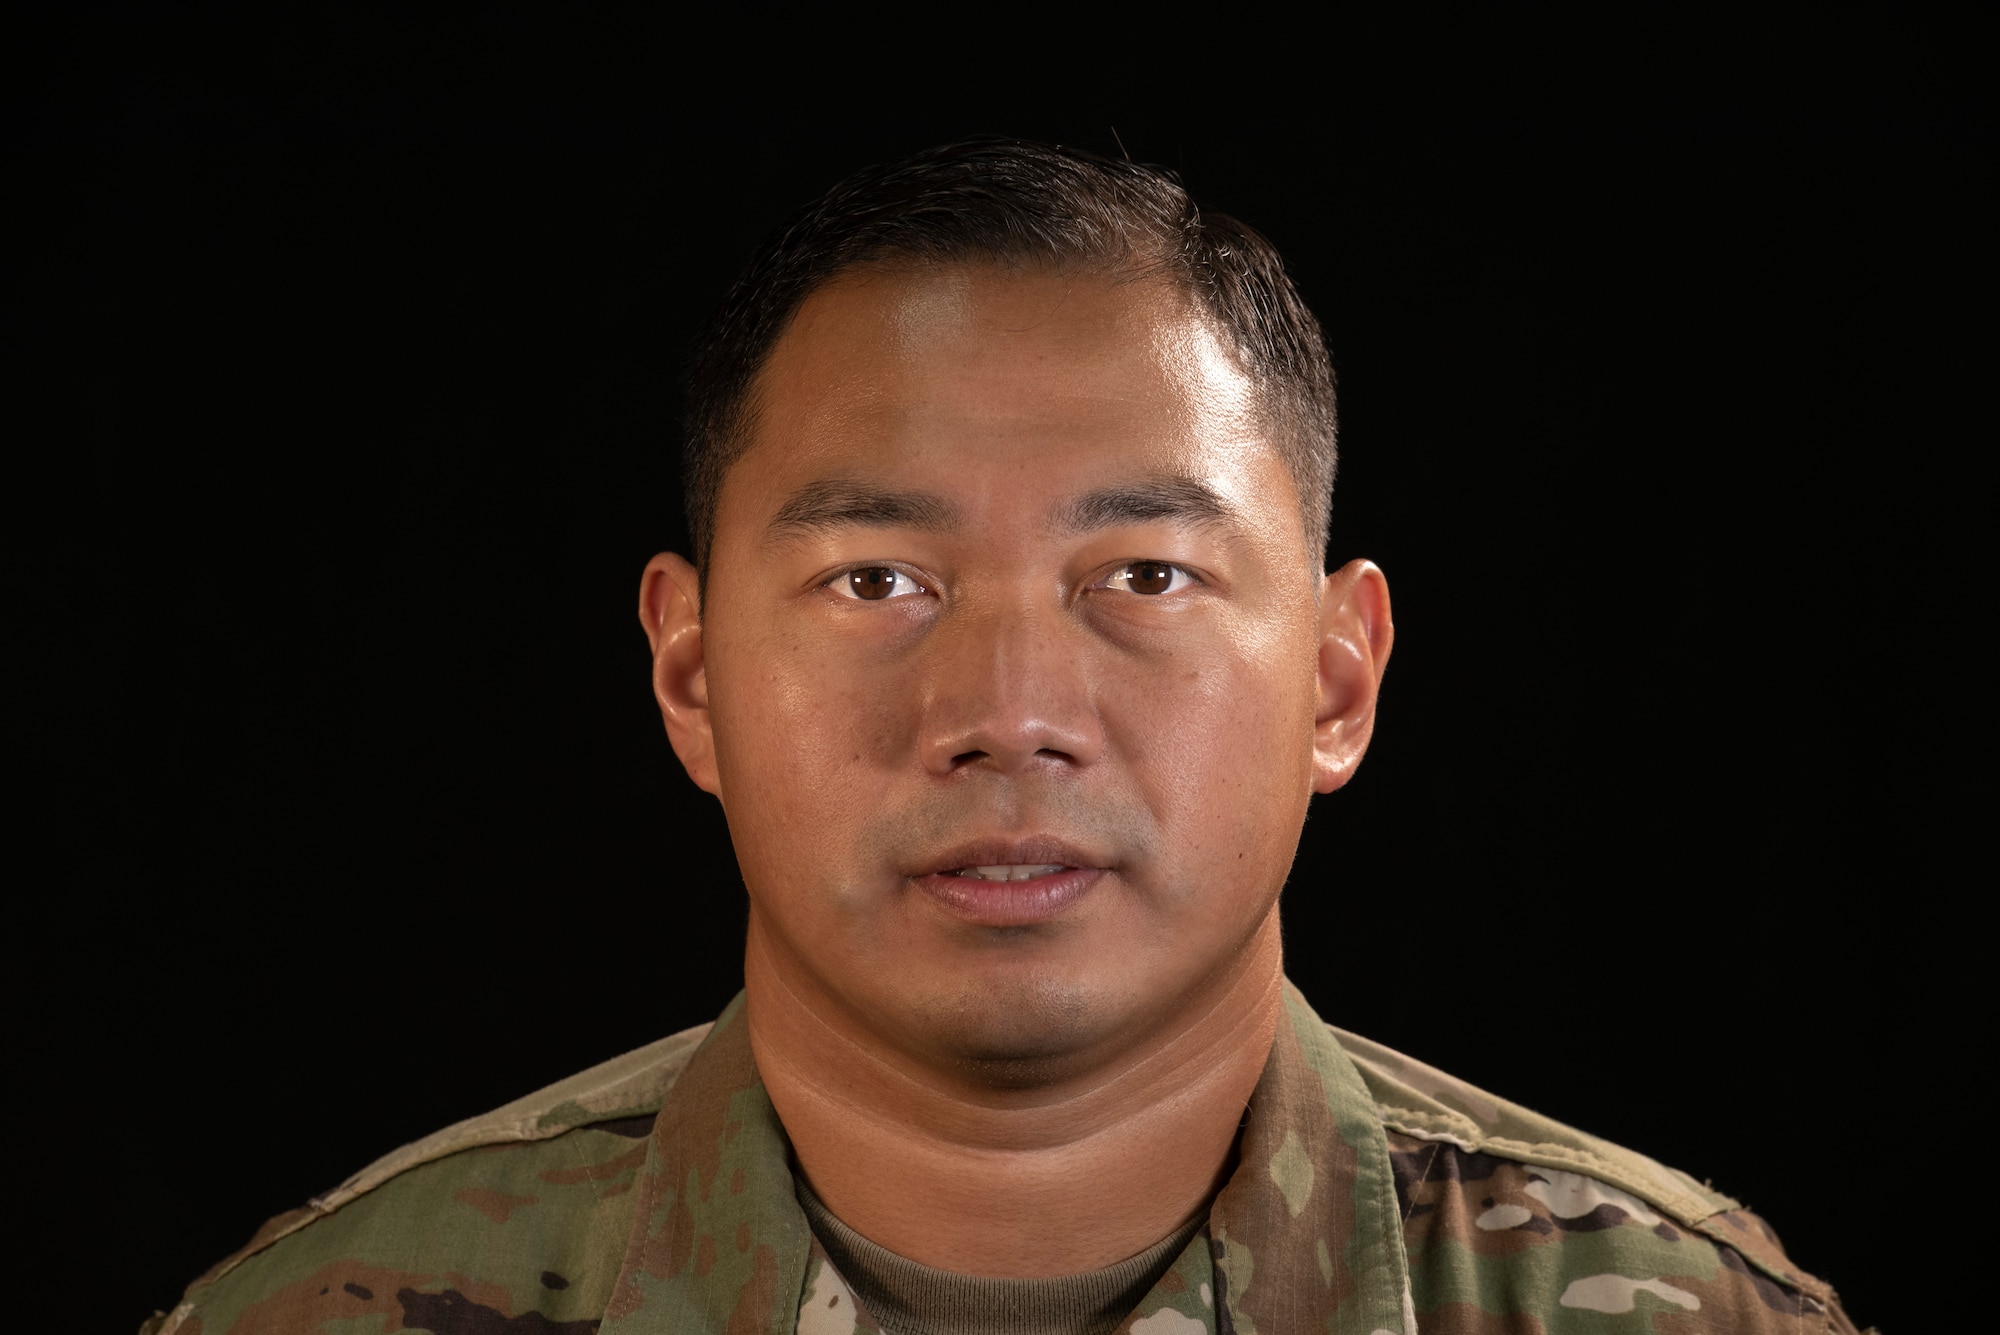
1012 872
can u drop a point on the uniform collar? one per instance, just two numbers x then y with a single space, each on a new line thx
1305 1235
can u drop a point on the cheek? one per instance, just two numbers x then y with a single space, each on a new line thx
1222 743
784 707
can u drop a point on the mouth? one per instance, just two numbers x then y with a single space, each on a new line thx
1013 884
1008 871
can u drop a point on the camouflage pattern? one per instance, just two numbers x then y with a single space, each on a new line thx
1373 1195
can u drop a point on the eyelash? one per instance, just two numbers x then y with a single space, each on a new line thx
837 583
1180 573
1180 579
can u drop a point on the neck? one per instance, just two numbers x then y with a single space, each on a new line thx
1077 1173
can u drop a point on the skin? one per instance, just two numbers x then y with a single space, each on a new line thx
1144 688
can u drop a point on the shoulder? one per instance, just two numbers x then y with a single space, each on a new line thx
512 1212
1508 1212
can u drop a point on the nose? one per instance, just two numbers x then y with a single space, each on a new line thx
1008 690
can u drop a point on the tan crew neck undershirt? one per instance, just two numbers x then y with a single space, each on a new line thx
913 1299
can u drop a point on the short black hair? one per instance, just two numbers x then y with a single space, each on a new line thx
1015 201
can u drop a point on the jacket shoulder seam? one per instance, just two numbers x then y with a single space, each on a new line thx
1687 1209
1410 1096
1579 1159
630 1085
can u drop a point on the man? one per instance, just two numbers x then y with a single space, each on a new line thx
1007 648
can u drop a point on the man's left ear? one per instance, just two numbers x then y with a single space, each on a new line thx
1355 636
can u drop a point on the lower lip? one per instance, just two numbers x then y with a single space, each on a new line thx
1010 903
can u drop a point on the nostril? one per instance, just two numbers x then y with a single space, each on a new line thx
967 758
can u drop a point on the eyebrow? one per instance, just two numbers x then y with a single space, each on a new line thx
1186 500
833 503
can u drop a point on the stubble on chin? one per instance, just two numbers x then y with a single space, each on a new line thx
1013 1033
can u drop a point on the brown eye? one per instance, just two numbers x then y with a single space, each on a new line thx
873 582
1149 577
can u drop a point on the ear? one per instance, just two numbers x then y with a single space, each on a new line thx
670 612
1355 636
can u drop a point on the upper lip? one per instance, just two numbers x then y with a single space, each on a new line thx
1038 850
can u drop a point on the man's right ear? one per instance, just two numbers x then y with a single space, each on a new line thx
670 611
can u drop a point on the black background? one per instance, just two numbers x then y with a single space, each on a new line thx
345 362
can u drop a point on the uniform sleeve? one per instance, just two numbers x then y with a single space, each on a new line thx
526 1234
1496 1245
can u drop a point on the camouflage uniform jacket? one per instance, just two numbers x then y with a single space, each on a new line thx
653 1193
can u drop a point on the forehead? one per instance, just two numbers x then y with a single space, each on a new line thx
928 363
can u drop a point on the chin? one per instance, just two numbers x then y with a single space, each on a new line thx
1017 1032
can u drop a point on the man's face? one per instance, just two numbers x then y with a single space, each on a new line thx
1010 645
